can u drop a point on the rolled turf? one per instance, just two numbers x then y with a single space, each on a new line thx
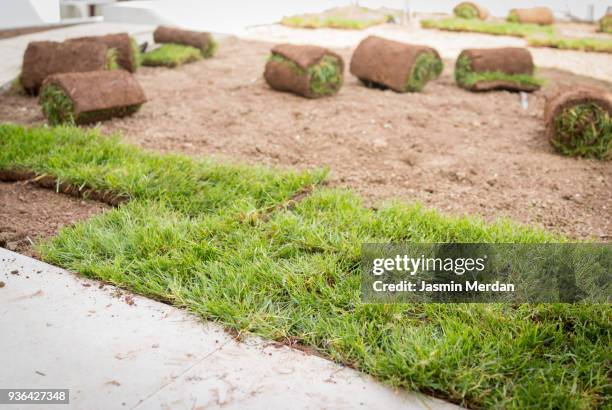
305 70
605 24
469 10
507 68
535 15
579 123
81 98
43 58
383 63
198 39
128 53
171 55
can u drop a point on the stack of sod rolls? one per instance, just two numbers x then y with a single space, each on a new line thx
536 15
309 71
82 98
508 68
383 63
128 53
579 123
469 10
179 47
43 58
605 24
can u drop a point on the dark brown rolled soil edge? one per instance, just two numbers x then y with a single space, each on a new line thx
122 42
53 183
198 39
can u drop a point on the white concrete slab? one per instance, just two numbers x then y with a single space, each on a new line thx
116 350
12 49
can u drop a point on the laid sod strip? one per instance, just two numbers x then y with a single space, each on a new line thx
492 73
203 41
127 56
86 159
171 55
579 123
82 98
534 15
469 10
43 58
486 27
195 235
605 24
308 71
383 63
599 45
347 18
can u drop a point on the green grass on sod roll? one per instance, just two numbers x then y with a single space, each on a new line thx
427 67
111 59
488 27
465 77
600 45
58 108
325 77
171 55
226 243
605 24
466 11
584 130
135 52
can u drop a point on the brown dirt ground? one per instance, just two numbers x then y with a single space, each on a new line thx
29 214
450 149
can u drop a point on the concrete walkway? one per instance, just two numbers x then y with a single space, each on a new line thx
116 350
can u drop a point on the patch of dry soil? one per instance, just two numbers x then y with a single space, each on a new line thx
29 214
450 149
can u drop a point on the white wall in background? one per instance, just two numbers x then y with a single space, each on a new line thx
24 13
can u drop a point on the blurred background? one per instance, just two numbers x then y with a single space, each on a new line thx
231 16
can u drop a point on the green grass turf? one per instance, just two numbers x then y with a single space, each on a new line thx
605 24
427 67
487 27
465 77
325 77
136 54
600 45
466 11
111 59
217 240
171 55
333 22
57 107
584 130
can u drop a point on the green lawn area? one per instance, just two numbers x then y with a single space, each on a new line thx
600 45
228 243
488 27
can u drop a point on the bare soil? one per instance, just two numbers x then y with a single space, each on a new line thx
29 214
450 149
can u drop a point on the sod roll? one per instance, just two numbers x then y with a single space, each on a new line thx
383 63
82 98
536 15
43 58
579 122
309 71
198 39
127 49
507 68
605 24
469 10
